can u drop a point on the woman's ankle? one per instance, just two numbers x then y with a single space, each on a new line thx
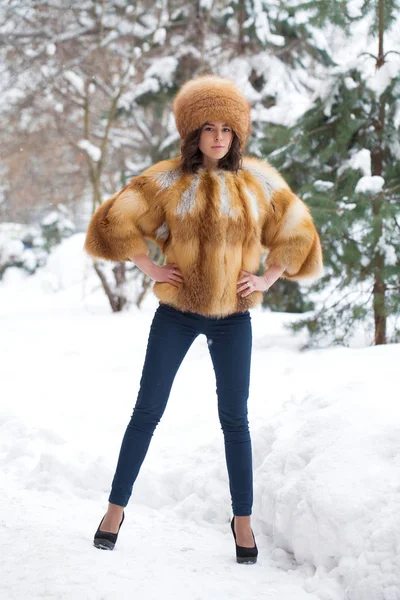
114 510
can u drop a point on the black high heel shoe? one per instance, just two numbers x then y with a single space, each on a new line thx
243 554
105 539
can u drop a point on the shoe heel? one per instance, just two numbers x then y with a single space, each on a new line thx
105 540
243 554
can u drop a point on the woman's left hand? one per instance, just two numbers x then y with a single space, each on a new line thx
248 283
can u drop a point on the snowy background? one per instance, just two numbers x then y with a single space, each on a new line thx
325 429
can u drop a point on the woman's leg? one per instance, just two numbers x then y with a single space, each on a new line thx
230 343
171 336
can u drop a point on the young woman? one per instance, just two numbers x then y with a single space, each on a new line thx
214 213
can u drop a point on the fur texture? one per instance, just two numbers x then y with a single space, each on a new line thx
208 98
212 224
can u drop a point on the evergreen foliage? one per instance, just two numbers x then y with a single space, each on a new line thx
342 157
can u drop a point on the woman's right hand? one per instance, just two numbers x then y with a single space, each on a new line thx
169 273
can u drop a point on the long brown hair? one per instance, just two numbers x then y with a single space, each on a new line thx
192 156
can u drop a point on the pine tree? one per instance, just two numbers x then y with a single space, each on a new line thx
343 159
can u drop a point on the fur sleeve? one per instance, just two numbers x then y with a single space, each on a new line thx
290 236
119 227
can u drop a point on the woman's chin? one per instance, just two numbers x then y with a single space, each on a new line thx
217 154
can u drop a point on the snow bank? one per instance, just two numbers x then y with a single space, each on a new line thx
329 485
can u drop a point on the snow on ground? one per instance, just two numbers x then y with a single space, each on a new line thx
326 448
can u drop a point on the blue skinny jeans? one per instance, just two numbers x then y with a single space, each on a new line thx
172 333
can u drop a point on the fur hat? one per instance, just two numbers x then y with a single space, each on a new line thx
208 98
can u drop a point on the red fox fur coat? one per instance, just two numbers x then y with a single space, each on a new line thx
212 224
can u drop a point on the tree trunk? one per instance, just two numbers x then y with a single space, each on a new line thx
120 278
379 288
116 296
241 17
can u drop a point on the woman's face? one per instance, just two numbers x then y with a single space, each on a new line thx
215 139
